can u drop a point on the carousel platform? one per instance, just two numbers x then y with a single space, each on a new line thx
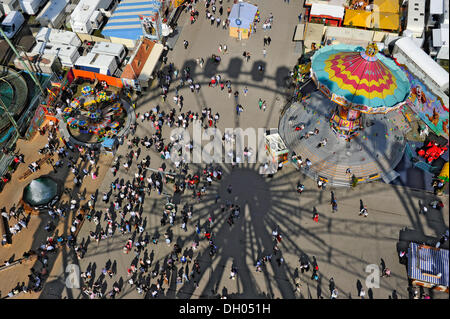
371 155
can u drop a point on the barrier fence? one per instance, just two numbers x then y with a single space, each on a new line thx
110 80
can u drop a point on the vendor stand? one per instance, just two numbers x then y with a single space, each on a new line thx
109 145
277 151
241 19
428 267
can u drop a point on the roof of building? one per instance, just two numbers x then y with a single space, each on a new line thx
151 62
313 34
416 17
428 264
427 65
436 6
57 36
52 9
125 22
349 35
389 6
299 32
319 9
245 12
55 49
341 3
101 60
134 67
84 10
358 18
385 21
108 48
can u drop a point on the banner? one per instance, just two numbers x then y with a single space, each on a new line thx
427 105
36 122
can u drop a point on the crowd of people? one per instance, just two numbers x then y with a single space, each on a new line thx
123 215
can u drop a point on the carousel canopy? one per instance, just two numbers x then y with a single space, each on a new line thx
363 79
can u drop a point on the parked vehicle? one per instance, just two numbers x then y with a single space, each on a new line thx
12 23
53 14
31 7
9 5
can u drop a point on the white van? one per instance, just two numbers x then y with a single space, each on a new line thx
13 22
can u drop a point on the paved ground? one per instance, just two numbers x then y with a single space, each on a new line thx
342 243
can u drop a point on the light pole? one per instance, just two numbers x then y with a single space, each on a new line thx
239 21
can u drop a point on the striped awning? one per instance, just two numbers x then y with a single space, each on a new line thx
125 22
428 264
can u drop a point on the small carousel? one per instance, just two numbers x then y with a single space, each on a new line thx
96 114
359 82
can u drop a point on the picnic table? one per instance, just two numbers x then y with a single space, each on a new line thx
39 162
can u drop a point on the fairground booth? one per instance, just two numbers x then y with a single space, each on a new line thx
241 18
428 267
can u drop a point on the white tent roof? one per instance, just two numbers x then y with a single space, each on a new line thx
436 6
423 61
318 9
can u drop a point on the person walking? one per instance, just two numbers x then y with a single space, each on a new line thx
264 52
334 206
260 103
316 217
186 44
239 109
269 40
300 18
264 105
363 212
265 40
245 90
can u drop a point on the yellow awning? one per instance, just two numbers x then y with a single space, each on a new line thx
358 18
389 6
385 21
444 172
